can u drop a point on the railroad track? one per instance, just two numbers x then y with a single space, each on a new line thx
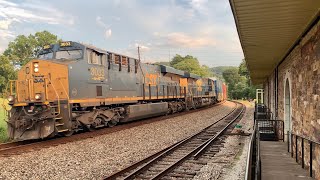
185 158
15 148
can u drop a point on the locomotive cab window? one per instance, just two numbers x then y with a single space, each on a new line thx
48 55
69 54
95 57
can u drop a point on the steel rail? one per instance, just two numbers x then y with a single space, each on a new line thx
206 144
197 150
145 163
20 147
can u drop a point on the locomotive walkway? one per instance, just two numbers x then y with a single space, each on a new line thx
276 163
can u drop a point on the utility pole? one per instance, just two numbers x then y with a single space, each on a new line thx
139 53
144 79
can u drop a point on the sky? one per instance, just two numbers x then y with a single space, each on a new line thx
162 28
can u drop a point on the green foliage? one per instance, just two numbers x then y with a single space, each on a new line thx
243 71
20 51
191 65
3 134
231 76
238 82
7 72
217 71
162 63
176 59
24 48
220 69
3 124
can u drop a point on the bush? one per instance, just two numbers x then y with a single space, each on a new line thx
3 118
3 134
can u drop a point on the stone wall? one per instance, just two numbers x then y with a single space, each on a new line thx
302 69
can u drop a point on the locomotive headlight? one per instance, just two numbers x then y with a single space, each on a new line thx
10 98
36 67
37 96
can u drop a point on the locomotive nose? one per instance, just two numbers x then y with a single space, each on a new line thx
40 81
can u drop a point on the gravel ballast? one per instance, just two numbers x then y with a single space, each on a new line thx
230 162
100 156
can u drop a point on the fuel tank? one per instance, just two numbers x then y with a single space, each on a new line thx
140 111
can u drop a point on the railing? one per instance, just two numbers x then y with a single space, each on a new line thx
270 130
312 146
262 112
253 165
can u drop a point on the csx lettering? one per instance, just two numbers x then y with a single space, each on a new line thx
152 78
199 84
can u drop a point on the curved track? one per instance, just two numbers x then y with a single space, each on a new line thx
185 158
13 148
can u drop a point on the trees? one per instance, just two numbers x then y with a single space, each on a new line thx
20 51
191 65
239 86
7 72
24 48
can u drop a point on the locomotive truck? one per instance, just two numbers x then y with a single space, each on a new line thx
73 86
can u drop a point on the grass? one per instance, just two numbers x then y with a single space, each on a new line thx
3 124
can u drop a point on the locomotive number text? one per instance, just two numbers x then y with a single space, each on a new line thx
97 73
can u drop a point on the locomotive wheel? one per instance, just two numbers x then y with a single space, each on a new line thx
112 123
91 128
68 133
98 123
52 135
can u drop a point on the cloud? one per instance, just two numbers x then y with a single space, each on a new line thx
108 33
181 39
141 46
5 37
34 11
199 5
4 24
202 28
27 12
100 22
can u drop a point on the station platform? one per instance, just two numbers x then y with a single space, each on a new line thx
276 163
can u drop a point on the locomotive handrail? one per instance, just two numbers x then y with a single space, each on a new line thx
29 88
11 88
57 94
68 97
64 89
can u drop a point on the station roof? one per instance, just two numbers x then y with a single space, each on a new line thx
269 29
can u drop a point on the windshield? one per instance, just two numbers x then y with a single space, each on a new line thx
69 54
46 56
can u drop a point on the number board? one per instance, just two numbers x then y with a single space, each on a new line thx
65 44
46 46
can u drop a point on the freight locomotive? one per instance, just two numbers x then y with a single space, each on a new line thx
72 86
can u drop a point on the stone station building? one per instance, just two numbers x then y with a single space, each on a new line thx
281 44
